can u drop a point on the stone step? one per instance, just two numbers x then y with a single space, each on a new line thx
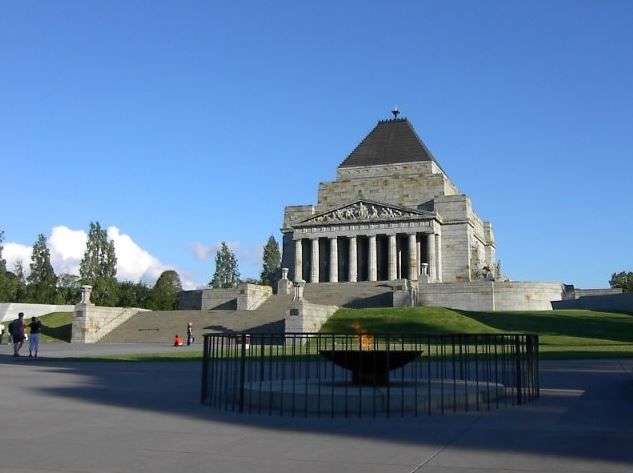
162 326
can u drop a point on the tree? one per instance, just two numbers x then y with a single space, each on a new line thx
98 266
68 289
7 285
226 272
272 262
623 280
42 282
164 295
133 294
18 270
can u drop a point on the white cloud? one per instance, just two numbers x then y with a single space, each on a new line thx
67 247
13 252
203 252
133 262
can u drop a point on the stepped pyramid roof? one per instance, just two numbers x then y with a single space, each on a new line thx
391 141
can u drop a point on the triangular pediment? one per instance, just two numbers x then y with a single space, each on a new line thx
366 211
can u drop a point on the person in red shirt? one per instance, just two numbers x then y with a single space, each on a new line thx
177 341
18 329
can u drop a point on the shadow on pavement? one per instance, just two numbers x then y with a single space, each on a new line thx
585 412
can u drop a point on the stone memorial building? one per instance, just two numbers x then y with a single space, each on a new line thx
391 213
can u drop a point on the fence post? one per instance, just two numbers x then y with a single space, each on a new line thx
204 394
242 372
517 357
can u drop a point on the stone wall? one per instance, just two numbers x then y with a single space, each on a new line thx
190 300
220 299
91 323
605 303
303 316
251 296
487 295
10 310
243 297
406 189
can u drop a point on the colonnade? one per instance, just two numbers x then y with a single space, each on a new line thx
401 246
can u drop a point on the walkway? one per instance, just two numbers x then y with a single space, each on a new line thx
137 417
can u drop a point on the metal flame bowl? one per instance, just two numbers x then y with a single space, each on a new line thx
370 367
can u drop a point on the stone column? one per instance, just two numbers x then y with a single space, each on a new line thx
418 255
353 260
438 259
373 265
85 295
314 273
333 259
298 260
393 263
413 260
430 247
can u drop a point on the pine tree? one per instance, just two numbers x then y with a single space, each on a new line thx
164 295
98 267
18 270
7 291
226 272
42 281
271 262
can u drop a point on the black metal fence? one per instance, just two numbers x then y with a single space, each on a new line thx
362 375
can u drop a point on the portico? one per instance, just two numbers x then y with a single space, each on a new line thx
366 241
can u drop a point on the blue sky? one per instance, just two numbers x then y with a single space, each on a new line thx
179 124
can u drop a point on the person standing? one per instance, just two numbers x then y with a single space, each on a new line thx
190 338
1 332
34 338
17 333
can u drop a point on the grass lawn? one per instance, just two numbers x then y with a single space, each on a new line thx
564 334
56 327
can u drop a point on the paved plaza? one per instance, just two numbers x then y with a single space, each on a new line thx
72 416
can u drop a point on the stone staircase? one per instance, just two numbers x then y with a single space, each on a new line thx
353 295
161 326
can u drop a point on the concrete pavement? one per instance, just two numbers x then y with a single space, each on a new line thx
131 417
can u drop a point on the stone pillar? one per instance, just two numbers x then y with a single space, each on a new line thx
353 260
392 261
85 295
430 247
298 260
413 260
298 286
373 264
314 273
418 255
438 259
333 259
284 285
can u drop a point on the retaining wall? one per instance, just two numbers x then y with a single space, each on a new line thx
10 310
490 295
604 303
91 322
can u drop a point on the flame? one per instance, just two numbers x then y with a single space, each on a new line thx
366 340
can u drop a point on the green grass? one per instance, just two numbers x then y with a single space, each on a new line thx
56 327
564 334
152 357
